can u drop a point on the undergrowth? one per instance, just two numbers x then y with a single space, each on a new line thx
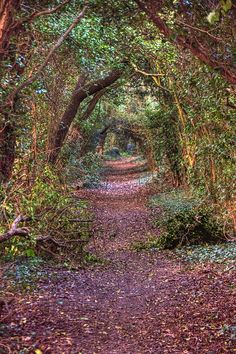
85 170
24 274
56 220
222 253
184 221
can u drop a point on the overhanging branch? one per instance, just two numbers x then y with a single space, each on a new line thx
34 76
44 12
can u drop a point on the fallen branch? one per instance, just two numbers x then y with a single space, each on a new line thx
15 230
40 240
43 239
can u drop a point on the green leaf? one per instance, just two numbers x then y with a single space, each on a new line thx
213 17
226 5
30 252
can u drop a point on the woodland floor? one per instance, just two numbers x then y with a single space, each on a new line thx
133 302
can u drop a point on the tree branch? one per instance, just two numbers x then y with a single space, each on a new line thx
144 72
200 30
34 76
14 230
81 92
24 231
44 12
151 9
92 105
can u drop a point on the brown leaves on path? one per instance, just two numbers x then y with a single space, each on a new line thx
137 302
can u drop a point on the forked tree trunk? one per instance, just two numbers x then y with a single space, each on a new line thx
81 92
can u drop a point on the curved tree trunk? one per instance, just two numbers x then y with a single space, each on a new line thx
81 92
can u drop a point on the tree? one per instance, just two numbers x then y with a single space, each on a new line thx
213 50
7 125
80 93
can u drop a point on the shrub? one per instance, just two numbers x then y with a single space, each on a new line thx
85 170
222 253
91 163
186 221
53 218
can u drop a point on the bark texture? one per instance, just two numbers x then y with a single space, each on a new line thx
81 92
7 23
7 150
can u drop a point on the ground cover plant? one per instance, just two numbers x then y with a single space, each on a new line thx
185 221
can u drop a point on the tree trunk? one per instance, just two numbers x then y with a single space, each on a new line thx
102 140
7 126
81 92
7 151
172 143
7 9
92 104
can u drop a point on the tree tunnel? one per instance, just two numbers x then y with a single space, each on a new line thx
123 136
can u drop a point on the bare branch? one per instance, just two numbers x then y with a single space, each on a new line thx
144 72
24 231
44 12
14 230
199 30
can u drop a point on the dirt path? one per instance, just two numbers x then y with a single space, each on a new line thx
136 302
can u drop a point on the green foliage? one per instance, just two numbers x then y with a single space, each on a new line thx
92 259
150 244
92 166
214 16
25 274
99 42
185 221
223 253
51 208
85 170
125 153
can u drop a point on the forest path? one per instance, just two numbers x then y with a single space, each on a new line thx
134 302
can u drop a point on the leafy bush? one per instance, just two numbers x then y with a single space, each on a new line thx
85 170
53 218
91 163
185 221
